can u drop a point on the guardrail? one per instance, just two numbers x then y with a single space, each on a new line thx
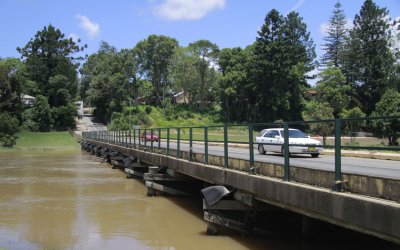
243 135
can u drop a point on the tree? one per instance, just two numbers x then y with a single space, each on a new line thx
11 82
205 55
50 54
51 68
368 61
234 85
388 106
316 111
183 73
336 37
153 57
8 128
332 89
355 124
39 116
108 73
283 54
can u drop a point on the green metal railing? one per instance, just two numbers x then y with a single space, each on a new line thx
226 135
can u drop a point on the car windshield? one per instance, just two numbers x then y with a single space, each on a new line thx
296 134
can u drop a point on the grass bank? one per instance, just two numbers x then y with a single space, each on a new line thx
44 141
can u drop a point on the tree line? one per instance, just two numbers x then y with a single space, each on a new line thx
264 82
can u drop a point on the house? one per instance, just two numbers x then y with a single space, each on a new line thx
28 100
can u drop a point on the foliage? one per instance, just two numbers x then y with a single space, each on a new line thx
108 74
63 115
336 37
234 86
354 113
368 61
283 54
153 57
205 54
51 69
332 89
49 54
39 116
315 111
11 82
388 106
8 128
183 73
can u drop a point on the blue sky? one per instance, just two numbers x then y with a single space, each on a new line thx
123 23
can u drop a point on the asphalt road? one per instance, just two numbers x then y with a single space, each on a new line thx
353 165
91 125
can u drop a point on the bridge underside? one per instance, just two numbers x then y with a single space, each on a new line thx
309 193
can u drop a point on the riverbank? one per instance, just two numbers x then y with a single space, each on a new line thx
44 141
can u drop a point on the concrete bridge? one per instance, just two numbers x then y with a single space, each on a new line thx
257 190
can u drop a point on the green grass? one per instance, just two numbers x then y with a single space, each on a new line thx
44 141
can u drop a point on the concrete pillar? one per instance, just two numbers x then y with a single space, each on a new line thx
151 191
212 228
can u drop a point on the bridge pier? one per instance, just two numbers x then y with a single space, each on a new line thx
213 228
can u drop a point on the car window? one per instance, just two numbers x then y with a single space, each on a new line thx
297 134
270 134
262 132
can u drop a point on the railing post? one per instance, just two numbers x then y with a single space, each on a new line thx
206 145
190 144
251 149
159 138
134 138
130 137
139 137
152 139
225 145
144 137
338 155
178 146
168 133
286 151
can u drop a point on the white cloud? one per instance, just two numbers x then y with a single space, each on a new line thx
323 29
74 37
187 9
92 28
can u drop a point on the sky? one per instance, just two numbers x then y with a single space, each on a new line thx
123 23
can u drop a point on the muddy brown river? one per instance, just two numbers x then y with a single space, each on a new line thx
69 200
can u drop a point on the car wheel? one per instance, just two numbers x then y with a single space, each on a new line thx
261 149
283 152
315 155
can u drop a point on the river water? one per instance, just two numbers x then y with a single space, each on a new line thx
69 200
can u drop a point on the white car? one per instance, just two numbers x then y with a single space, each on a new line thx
271 140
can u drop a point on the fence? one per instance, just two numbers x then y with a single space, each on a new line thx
374 133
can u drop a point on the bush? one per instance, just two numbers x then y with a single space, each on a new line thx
8 140
148 109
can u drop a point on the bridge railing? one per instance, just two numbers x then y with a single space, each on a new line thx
369 133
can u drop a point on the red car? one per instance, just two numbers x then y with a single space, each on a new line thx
146 136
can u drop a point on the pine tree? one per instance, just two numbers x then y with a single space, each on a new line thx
368 60
335 38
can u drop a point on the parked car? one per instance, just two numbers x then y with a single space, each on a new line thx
147 136
271 140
